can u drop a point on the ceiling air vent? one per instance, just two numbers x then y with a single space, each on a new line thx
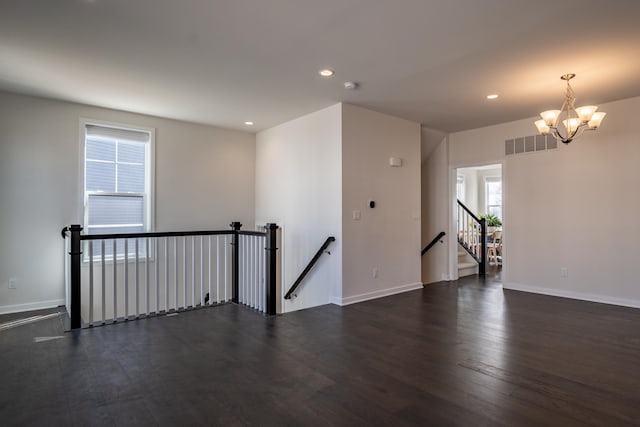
529 144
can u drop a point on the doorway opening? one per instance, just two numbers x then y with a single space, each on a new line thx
479 189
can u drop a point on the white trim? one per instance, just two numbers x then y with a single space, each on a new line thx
18 308
376 294
572 294
452 212
475 164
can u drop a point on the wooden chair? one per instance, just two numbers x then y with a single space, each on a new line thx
494 249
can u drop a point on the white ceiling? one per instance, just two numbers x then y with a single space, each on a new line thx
222 62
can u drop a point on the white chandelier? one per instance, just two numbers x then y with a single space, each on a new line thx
576 119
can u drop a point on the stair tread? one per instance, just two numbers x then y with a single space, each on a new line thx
462 265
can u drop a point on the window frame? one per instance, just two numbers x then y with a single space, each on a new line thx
149 194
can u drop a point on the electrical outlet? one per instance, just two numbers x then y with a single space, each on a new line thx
564 272
375 273
356 215
13 282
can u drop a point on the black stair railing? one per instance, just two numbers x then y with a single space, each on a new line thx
433 242
134 275
472 236
309 266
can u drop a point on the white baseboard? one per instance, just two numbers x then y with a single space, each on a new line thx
335 300
573 295
40 305
376 294
443 278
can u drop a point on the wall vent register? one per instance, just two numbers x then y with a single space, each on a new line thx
529 144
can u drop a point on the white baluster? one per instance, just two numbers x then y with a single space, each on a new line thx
175 267
184 271
193 271
218 269
157 275
209 269
115 280
126 278
103 280
146 274
137 281
90 282
226 264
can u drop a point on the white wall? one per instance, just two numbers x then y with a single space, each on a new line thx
298 186
435 212
204 180
386 238
575 207
470 199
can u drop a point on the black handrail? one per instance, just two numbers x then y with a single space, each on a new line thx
469 211
309 266
482 222
433 242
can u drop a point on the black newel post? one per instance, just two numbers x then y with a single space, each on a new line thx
271 286
483 245
76 254
235 261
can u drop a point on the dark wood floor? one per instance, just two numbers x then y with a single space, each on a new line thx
462 353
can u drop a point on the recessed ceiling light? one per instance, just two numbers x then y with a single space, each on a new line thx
492 96
248 123
326 72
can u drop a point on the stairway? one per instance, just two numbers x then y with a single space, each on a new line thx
467 266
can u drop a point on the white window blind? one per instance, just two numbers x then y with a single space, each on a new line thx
116 181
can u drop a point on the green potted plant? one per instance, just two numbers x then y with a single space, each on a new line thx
493 222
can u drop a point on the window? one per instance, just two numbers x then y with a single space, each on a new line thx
117 180
493 196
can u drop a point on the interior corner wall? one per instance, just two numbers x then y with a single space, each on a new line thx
204 179
435 213
573 207
381 250
298 186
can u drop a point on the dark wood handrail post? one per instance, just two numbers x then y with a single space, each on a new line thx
270 267
483 245
235 261
76 260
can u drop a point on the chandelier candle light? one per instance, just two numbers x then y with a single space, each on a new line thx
576 119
